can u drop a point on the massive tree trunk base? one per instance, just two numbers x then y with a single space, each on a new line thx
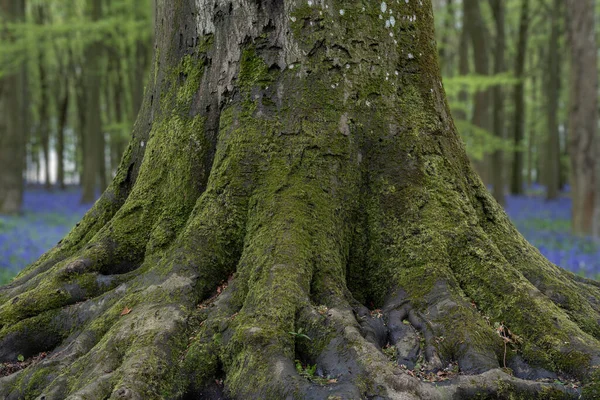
290 195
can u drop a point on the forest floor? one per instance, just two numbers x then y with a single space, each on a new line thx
48 216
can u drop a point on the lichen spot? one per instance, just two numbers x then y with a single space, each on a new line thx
142 144
341 12
310 3
343 125
384 6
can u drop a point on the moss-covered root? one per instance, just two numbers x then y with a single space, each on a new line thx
347 348
577 296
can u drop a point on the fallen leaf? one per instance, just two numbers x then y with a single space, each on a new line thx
125 311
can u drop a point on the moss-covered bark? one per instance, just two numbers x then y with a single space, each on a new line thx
296 217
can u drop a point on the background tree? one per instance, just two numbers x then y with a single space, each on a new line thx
583 114
285 179
517 186
56 36
552 99
12 109
497 164
480 37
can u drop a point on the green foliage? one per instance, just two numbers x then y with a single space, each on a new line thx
481 142
307 371
51 42
300 335
473 83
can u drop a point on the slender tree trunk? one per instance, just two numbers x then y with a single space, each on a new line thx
12 106
63 112
583 116
292 166
479 35
552 170
93 140
445 53
497 165
516 186
463 61
43 113
142 55
117 144
531 137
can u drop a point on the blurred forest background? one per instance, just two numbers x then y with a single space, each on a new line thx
521 78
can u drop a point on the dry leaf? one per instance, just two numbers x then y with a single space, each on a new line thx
125 311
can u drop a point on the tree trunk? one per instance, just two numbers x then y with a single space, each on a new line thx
516 184
497 165
63 112
118 141
583 114
93 139
12 124
445 54
295 190
142 53
531 142
552 172
463 62
43 114
479 35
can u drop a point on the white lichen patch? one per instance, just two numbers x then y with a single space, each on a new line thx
343 125
383 7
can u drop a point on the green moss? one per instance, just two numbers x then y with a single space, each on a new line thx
591 390
253 71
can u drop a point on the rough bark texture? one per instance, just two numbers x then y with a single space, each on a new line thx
12 127
516 183
583 115
290 193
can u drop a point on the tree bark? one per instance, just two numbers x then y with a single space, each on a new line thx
516 185
290 193
583 115
12 122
